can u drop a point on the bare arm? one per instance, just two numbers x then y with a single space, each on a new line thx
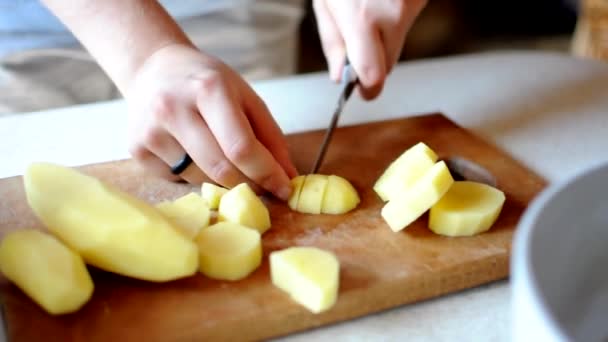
119 34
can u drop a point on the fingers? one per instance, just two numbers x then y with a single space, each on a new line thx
227 122
364 46
194 136
331 40
394 28
168 151
266 130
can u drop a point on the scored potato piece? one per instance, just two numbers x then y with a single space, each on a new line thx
109 228
241 205
309 275
212 194
296 184
311 195
404 171
229 251
190 213
405 207
46 270
468 208
340 196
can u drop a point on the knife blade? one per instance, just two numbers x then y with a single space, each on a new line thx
348 82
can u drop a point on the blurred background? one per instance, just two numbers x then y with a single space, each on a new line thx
449 27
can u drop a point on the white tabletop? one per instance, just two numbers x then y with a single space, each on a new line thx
549 111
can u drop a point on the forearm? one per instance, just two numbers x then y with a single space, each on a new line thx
119 34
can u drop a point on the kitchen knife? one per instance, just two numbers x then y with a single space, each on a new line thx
348 82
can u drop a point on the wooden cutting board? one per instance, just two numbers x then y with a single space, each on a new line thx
380 269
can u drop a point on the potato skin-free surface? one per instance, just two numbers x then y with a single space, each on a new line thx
46 270
109 228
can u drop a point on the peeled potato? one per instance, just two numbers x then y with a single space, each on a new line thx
212 194
241 205
229 251
468 208
309 275
296 184
322 194
340 196
188 213
404 171
405 207
110 229
46 270
311 195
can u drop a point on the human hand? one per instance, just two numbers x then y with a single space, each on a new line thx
182 100
371 32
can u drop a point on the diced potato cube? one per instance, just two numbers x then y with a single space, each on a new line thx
467 209
229 251
50 273
406 207
311 196
340 196
404 171
109 228
212 194
190 213
296 184
241 205
309 275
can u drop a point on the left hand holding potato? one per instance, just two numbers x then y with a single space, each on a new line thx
371 33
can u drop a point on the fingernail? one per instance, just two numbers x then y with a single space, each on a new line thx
284 193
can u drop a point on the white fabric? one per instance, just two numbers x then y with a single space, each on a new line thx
256 37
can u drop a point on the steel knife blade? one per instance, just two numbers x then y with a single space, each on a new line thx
348 83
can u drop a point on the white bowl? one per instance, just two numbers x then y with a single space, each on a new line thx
559 268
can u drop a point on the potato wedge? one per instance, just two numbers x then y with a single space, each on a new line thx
189 213
467 209
406 207
241 205
229 251
109 228
309 275
46 270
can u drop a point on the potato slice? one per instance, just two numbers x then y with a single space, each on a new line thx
229 251
404 171
406 207
467 209
296 184
309 275
212 194
311 196
50 273
190 213
340 196
241 205
110 229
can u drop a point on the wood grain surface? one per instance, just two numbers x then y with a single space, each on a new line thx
380 269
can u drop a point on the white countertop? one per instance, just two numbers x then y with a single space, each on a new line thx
550 111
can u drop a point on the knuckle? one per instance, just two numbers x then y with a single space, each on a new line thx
221 171
164 108
153 138
266 181
138 152
240 150
207 83
367 16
